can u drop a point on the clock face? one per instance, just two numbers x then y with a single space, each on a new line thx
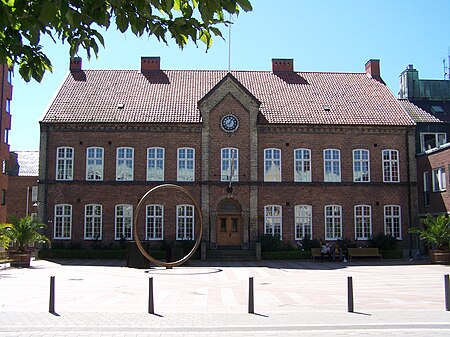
229 123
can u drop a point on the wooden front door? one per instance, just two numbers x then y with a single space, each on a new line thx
229 230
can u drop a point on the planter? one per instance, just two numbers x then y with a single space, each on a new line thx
440 256
20 260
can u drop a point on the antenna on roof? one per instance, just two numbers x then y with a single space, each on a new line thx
229 45
447 66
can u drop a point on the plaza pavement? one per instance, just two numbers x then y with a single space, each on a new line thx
291 298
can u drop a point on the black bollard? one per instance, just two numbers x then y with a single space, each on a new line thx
447 292
251 299
51 306
151 307
350 294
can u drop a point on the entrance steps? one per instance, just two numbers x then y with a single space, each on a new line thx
230 255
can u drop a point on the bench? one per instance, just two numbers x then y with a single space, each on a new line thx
4 257
363 252
315 252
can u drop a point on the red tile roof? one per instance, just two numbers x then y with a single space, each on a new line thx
171 96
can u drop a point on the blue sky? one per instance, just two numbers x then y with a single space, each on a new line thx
320 35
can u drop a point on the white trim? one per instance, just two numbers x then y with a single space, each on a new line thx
62 217
224 175
439 183
121 171
390 162
391 231
155 159
273 220
361 162
92 221
95 159
65 160
299 220
125 216
155 217
184 218
333 220
298 177
332 176
185 177
273 174
364 217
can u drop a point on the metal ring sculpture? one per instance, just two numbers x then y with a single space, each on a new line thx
136 234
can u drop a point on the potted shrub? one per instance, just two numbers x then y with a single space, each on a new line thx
436 234
22 233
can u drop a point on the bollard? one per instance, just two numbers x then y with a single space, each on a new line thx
251 299
151 307
51 306
350 294
447 292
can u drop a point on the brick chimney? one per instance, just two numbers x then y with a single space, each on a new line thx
150 63
282 65
373 69
75 64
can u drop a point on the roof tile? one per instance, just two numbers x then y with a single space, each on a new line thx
171 96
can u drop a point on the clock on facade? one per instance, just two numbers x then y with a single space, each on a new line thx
229 123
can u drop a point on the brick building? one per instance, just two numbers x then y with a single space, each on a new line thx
6 75
23 170
307 153
428 103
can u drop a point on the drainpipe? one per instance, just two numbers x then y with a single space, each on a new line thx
408 173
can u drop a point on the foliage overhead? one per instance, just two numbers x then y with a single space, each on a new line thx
24 231
436 231
79 22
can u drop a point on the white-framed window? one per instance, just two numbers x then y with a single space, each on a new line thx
392 221
94 163
62 223
303 221
155 164
186 164
426 188
229 158
439 183
332 165
124 222
8 105
125 163
154 222
302 165
6 136
391 173
93 222
431 140
361 165
363 222
272 165
64 163
185 222
333 222
10 75
273 224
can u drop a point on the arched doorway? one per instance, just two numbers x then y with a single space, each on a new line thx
229 224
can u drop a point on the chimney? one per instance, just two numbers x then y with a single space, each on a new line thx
150 63
75 64
282 65
373 69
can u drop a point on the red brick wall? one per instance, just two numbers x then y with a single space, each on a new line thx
287 194
19 186
439 201
5 93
